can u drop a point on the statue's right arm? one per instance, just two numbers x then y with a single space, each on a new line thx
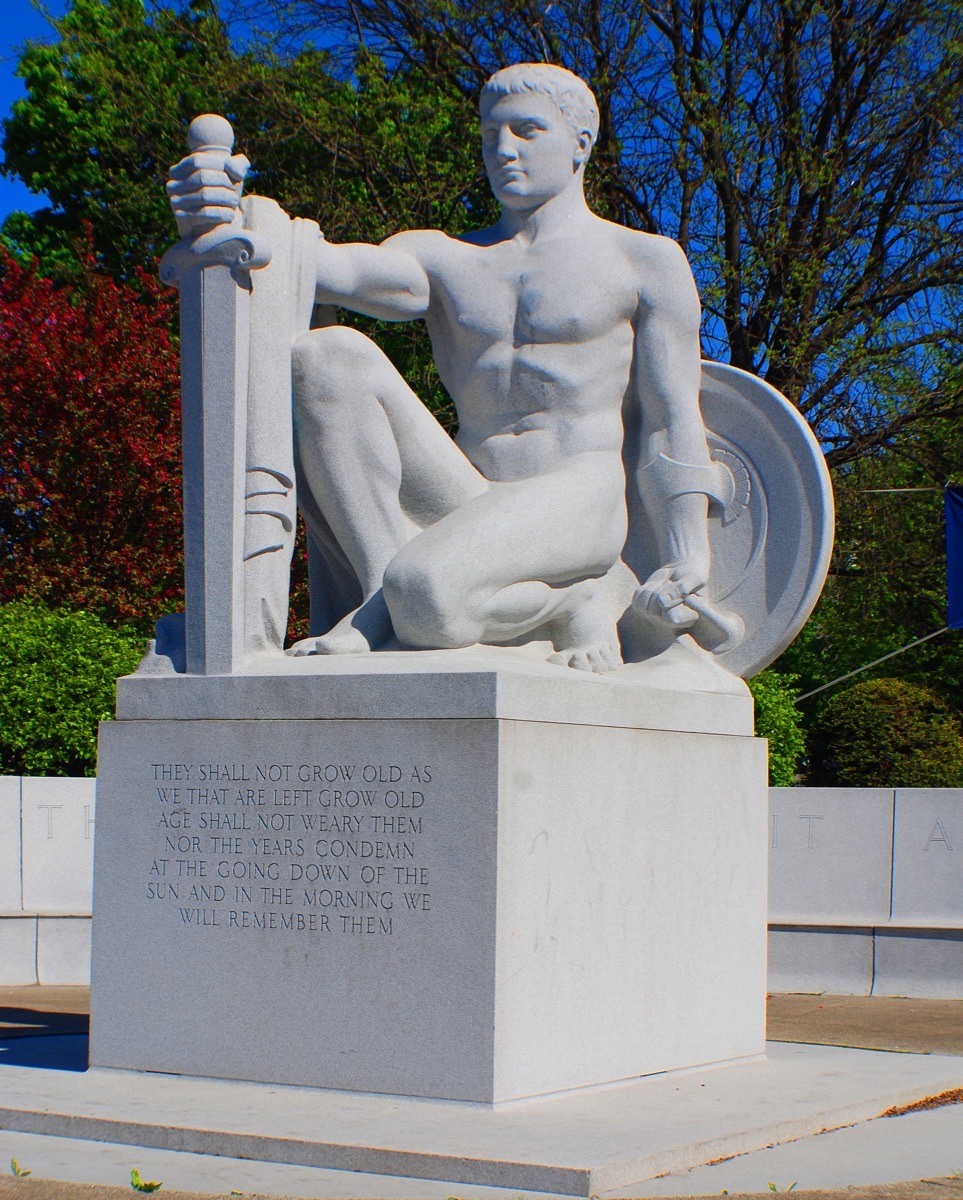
389 281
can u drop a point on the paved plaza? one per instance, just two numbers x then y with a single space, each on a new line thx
915 1155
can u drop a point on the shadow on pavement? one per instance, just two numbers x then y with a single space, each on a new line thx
31 1037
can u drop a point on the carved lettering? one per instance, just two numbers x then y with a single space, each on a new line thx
184 844
247 848
811 840
938 836
232 772
50 809
161 891
273 772
191 866
200 916
171 770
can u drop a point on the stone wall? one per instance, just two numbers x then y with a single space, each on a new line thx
866 891
865 887
46 872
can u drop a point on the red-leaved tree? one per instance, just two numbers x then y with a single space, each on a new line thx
90 494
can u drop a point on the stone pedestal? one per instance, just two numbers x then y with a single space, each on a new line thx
479 879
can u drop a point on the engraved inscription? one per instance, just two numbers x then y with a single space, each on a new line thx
810 833
938 836
329 849
50 809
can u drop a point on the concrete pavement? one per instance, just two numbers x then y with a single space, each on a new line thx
902 1158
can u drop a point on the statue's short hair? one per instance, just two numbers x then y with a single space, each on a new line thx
572 96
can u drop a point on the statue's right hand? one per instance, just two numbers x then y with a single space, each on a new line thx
205 188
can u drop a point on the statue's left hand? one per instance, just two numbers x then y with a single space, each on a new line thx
675 599
662 598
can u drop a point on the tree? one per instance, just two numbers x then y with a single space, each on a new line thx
109 101
887 733
76 137
887 582
90 512
360 157
806 154
364 157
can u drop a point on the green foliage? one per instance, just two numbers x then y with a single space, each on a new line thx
107 107
109 101
103 118
887 581
57 675
143 1185
886 733
778 719
805 157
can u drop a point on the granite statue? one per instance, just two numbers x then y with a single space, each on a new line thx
583 510
521 690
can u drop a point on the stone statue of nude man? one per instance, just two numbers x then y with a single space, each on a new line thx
545 328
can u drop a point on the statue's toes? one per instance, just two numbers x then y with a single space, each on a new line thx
611 657
303 648
597 659
602 659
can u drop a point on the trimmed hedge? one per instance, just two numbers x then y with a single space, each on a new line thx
778 719
57 676
886 733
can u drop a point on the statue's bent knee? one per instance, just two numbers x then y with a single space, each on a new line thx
427 613
330 363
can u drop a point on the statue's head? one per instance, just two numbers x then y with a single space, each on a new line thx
539 123
571 96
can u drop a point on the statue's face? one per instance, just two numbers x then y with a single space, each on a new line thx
530 150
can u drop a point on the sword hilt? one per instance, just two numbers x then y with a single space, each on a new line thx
210 140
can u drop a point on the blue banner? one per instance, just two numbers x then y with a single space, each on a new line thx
953 507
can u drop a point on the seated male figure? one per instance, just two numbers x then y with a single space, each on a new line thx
543 328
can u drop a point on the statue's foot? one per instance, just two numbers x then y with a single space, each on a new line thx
600 658
365 629
586 635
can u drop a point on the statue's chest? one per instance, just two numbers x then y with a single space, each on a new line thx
537 298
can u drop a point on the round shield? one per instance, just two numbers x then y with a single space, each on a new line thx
771 548
771 545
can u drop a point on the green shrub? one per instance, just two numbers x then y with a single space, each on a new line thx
778 719
887 733
57 675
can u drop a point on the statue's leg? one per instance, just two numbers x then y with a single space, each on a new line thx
374 465
540 552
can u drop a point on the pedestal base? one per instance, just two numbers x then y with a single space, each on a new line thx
465 907
584 1144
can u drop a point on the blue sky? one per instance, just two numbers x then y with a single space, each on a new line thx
21 22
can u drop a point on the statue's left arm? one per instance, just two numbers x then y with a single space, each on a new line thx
675 476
